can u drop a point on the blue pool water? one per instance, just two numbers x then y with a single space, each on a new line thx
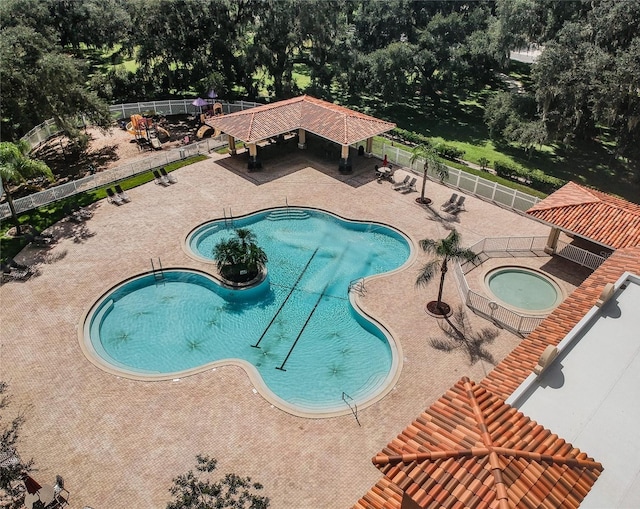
523 288
188 320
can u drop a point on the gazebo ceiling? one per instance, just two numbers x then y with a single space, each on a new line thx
330 121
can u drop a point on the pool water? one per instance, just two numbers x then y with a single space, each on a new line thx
297 329
524 289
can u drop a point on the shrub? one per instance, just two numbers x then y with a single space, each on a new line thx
449 151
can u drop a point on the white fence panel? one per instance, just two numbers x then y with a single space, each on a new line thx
473 184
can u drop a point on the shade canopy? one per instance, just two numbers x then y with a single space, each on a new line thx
199 102
327 120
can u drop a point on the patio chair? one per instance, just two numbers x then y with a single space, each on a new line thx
451 201
61 494
405 182
112 197
14 274
40 240
171 178
122 193
160 179
411 186
458 206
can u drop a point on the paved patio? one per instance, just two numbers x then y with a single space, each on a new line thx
118 443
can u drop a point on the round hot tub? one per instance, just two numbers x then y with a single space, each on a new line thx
523 289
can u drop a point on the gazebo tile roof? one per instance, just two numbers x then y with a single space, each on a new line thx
330 121
514 462
592 214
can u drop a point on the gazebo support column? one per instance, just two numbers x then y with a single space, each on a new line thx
253 164
302 139
345 164
552 241
232 145
368 151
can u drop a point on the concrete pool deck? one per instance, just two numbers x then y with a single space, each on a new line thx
118 443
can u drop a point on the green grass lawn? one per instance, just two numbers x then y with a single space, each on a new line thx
43 217
458 121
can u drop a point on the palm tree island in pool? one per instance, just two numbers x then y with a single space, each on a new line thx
240 259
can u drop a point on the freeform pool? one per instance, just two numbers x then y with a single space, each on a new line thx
524 289
297 333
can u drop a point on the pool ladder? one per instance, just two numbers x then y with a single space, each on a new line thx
357 285
354 408
158 272
228 220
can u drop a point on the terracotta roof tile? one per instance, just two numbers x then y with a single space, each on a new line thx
597 216
518 365
331 121
471 449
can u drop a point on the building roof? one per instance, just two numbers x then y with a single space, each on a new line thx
597 216
330 121
507 376
446 423
587 394
471 449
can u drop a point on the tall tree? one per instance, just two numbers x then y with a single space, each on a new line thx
16 166
589 76
445 251
39 82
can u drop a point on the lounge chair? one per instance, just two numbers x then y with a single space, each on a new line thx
405 182
160 179
15 274
411 186
458 206
40 240
112 197
451 201
122 193
171 178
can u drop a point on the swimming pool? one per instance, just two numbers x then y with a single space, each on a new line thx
297 333
524 289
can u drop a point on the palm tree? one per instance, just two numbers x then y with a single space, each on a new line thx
445 250
431 162
239 258
16 166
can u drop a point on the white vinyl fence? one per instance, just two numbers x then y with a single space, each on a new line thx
502 247
44 131
472 184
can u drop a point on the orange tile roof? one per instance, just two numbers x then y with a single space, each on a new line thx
519 364
445 423
602 218
471 449
330 121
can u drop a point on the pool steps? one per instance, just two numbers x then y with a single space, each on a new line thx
281 214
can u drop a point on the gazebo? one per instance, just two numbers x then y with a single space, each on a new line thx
302 114
597 217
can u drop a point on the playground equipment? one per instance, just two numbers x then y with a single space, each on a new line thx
214 111
206 131
145 130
